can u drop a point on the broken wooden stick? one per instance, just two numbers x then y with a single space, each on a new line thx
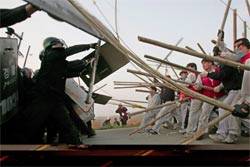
203 51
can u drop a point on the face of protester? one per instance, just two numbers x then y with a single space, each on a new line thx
207 65
152 91
190 67
240 48
183 75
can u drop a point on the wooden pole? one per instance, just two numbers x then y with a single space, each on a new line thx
139 72
156 119
127 82
140 78
26 57
248 6
203 51
189 48
129 87
136 101
131 84
225 15
93 75
170 52
172 64
100 88
149 75
140 90
193 84
153 108
129 103
245 29
223 22
234 25
196 54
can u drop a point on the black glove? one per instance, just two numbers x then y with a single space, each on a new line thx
241 110
216 51
222 34
10 31
93 45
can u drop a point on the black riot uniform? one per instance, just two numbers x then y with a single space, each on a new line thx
47 99
12 16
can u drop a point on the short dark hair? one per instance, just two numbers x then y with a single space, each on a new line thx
206 60
153 88
244 41
193 65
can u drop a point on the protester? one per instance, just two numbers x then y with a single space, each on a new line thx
231 78
154 99
122 111
198 119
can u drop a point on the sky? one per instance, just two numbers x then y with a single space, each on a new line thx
162 20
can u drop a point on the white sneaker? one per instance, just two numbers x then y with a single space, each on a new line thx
153 132
231 139
217 137
167 125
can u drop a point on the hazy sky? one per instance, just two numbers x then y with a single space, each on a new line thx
163 20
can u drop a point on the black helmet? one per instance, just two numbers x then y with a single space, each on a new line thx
48 42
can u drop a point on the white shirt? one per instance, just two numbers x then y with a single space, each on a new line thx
154 100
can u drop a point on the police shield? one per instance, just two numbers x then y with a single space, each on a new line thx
8 75
110 60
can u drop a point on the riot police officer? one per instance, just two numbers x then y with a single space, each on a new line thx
47 97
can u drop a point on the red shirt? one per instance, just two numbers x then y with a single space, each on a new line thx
206 81
245 58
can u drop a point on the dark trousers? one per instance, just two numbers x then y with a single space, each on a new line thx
27 125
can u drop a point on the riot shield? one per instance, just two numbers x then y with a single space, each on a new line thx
8 75
79 96
110 60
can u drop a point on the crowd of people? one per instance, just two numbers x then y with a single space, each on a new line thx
217 81
45 113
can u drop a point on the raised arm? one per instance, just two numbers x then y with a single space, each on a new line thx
13 16
78 48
